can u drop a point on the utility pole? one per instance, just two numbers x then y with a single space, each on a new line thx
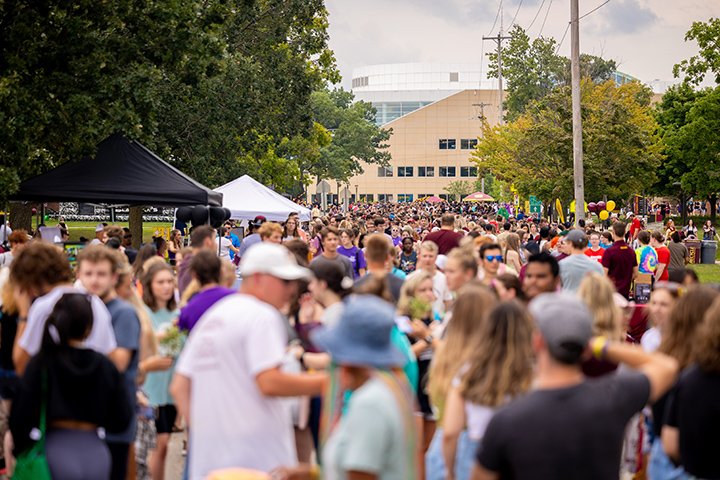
498 39
482 106
578 171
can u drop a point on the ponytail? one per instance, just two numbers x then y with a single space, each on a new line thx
71 319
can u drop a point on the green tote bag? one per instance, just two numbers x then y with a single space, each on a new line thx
32 464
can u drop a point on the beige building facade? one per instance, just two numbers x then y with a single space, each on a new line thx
430 148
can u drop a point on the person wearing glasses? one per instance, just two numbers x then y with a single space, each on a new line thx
491 263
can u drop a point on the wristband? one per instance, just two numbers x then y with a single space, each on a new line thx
428 339
599 347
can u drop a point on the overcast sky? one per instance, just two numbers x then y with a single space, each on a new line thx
645 37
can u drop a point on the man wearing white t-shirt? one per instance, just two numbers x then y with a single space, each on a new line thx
41 272
228 381
426 262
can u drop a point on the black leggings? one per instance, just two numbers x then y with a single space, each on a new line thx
77 455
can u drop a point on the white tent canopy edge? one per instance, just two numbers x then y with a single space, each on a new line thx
247 198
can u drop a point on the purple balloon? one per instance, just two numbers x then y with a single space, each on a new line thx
592 206
600 206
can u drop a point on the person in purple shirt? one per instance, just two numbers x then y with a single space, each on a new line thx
353 253
206 268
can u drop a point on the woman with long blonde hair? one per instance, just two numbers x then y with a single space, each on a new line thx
598 293
500 370
462 334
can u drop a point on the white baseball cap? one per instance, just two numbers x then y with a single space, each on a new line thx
273 259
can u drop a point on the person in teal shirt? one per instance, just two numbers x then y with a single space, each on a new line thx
158 283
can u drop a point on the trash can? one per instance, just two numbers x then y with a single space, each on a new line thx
693 247
709 250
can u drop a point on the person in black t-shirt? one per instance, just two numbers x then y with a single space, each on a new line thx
81 390
692 422
570 427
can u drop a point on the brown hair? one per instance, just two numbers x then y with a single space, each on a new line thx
471 308
267 230
327 231
115 231
618 229
205 267
18 237
101 253
502 363
39 265
707 351
377 248
681 333
199 234
150 270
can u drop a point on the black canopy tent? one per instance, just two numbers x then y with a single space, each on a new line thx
123 172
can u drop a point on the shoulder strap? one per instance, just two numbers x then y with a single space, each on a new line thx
43 404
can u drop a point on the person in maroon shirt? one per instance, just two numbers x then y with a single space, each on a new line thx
446 238
620 261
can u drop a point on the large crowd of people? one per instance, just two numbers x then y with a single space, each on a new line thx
392 341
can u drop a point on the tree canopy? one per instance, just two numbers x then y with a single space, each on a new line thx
217 88
533 69
534 152
707 36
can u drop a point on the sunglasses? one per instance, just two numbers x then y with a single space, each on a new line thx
493 258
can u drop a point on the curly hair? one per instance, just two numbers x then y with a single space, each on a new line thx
680 336
502 365
38 266
707 351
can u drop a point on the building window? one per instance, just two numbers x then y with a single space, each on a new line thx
424 195
366 198
447 197
405 171
385 172
426 171
447 144
360 82
468 143
454 76
447 171
405 197
468 171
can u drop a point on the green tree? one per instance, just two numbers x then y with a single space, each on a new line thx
355 137
217 88
460 188
692 143
707 36
72 73
533 69
534 153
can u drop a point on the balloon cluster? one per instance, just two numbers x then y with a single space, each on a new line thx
601 208
201 215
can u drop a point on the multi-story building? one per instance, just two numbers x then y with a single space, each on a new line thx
434 111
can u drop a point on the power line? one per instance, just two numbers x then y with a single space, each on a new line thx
497 15
536 16
516 14
562 39
568 25
545 19
595 9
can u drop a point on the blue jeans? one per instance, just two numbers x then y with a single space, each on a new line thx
464 457
660 467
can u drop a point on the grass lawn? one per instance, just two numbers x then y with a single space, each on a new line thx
87 229
707 273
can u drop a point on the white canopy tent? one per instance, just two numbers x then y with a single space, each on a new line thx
247 198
